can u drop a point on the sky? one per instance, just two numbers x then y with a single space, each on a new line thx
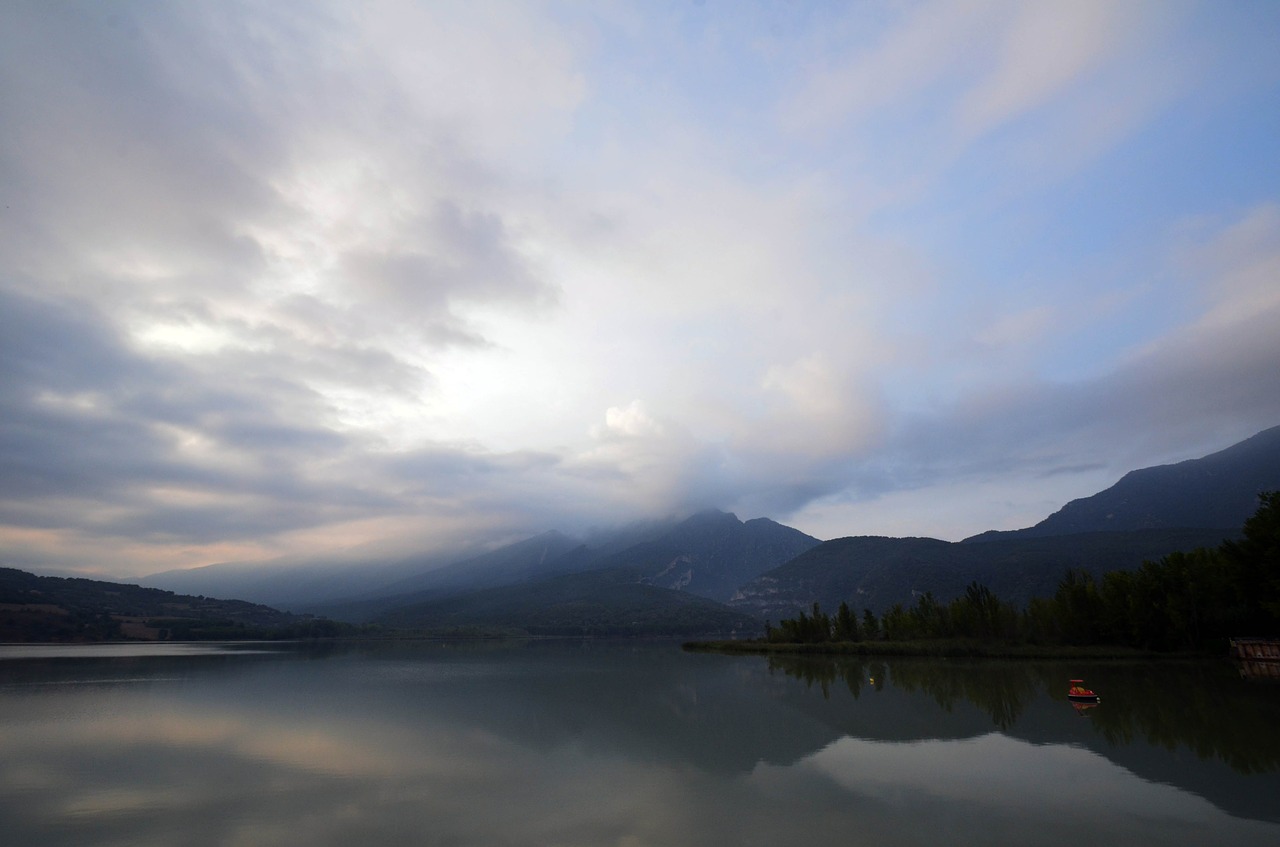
282 280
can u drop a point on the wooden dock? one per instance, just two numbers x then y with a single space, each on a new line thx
1257 658
1256 649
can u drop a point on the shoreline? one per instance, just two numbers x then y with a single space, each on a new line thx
936 649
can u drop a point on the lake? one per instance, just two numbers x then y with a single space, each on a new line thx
629 744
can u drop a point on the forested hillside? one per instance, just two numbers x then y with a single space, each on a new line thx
46 608
877 572
1194 600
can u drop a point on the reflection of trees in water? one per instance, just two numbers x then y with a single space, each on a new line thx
821 672
1202 706
1002 690
825 672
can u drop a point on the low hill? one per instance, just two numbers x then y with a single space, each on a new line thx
608 602
47 608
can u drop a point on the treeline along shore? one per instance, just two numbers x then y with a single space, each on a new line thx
1188 602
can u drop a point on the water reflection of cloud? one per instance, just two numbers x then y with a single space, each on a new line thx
243 776
283 756
1003 781
352 749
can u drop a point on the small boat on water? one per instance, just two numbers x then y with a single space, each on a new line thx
1077 693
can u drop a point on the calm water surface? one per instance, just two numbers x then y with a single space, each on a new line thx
593 743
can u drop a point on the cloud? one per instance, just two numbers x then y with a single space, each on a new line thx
282 278
1043 50
1238 268
1017 329
1194 385
813 410
85 417
1015 95
630 421
909 56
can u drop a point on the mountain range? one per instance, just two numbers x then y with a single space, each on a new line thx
712 572
1147 514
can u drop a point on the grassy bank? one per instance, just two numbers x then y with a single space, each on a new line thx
939 648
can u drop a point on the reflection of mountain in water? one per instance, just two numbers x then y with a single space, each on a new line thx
650 704
1194 726
727 714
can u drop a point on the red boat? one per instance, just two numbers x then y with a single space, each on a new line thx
1077 693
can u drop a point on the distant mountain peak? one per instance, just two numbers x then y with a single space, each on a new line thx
711 516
